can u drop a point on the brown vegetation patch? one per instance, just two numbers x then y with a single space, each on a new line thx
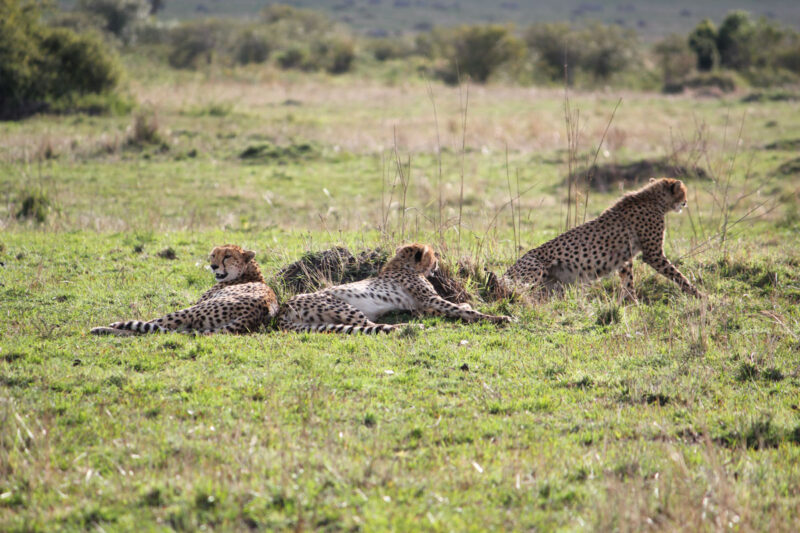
338 265
790 168
784 144
604 178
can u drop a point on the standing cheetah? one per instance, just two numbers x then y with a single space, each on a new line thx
635 223
240 302
354 307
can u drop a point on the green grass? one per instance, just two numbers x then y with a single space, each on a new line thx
584 414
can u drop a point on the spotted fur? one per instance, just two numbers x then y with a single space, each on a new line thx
354 307
635 223
240 302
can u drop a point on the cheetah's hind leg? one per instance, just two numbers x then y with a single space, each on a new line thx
235 326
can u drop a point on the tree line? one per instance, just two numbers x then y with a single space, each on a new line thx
52 59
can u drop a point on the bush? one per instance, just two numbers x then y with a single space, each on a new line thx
386 49
40 66
294 58
735 41
607 50
35 206
598 51
76 64
674 58
251 47
195 43
334 55
478 51
703 42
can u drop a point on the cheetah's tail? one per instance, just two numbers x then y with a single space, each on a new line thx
347 329
139 326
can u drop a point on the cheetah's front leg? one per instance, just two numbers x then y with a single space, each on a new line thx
440 307
663 266
626 278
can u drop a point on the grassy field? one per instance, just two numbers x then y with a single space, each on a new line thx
667 414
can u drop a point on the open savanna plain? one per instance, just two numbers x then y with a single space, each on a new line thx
667 413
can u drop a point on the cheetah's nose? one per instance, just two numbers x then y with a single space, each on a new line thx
214 267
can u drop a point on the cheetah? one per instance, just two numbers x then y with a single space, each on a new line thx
635 223
240 302
354 307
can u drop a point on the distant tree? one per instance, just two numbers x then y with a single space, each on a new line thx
735 41
703 42
119 16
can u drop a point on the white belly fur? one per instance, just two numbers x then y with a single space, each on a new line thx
374 307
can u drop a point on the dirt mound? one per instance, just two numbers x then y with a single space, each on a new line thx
787 145
790 168
612 176
335 266
267 152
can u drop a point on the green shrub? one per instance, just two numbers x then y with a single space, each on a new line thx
607 50
735 41
478 51
42 66
333 54
674 57
251 46
76 64
553 45
598 51
195 43
35 206
294 58
386 49
703 42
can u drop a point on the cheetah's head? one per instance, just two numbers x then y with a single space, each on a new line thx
228 262
419 257
675 192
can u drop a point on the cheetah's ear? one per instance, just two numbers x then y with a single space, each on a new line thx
676 186
652 180
249 255
418 256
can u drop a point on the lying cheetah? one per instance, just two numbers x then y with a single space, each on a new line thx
240 302
354 307
635 223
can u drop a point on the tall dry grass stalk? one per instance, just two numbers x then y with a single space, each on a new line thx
440 205
464 106
729 200
578 189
